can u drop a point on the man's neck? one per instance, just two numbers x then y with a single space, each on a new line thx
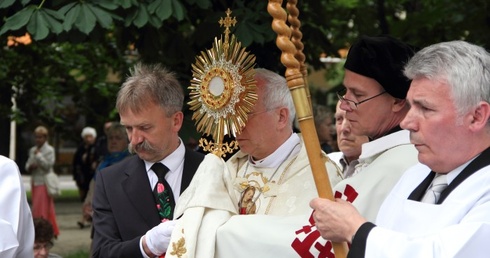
277 156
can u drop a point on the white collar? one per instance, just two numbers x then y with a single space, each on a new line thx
277 157
455 172
389 141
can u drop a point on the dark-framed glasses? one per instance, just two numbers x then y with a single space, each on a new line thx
352 104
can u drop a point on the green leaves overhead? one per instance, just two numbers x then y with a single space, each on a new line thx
141 16
38 26
164 9
6 3
18 20
101 16
85 21
39 21
86 15
178 10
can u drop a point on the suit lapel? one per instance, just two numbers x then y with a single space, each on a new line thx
139 193
137 187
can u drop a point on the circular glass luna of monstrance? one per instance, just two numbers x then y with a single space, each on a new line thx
222 90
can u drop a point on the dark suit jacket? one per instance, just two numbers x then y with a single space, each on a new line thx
124 206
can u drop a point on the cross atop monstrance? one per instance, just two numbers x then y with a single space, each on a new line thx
227 22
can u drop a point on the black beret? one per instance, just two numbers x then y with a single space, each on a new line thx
381 58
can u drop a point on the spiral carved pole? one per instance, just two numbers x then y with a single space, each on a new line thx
296 36
296 83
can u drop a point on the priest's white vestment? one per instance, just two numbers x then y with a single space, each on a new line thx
458 227
211 201
381 164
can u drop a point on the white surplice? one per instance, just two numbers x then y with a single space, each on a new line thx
211 201
381 164
16 224
459 227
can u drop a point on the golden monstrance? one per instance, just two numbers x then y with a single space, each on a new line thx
222 90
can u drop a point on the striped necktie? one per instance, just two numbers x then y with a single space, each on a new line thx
435 189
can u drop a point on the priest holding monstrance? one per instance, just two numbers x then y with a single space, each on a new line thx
256 203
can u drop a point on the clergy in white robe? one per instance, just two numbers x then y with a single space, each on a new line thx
449 126
260 195
16 224
458 227
211 225
381 164
374 104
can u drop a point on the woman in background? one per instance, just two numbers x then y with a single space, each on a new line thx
40 162
85 161
84 164
117 146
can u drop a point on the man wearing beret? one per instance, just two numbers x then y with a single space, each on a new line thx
374 101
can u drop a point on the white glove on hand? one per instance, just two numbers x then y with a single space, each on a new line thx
158 238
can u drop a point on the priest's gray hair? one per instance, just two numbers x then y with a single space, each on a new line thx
150 84
464 67
276 92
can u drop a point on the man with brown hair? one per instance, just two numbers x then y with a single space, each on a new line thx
43 241
128 219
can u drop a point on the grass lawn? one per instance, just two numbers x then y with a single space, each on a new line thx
78 254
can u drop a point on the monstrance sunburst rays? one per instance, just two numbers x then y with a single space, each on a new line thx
222 90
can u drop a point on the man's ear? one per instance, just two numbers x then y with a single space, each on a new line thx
478 118
178 119
284 117
399 104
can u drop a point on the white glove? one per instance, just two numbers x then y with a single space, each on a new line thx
158 238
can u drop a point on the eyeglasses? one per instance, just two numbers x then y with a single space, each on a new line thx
352 104
257 112
40 246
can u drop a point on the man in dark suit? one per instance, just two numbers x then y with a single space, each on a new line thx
127 222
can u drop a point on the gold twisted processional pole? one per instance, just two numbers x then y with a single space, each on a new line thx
296 83
296 37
